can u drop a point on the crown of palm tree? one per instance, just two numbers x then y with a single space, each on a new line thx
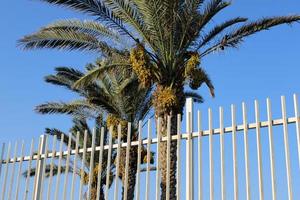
169 29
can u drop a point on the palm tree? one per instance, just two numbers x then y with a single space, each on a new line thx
114 98
169 39
80 125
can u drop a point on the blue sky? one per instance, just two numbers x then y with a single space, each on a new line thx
265 65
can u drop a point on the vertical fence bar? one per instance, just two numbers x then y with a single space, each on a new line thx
234 152
44 166
259 154
74 166
286 148
168 156
246 151
200 179
271 149
223 189
297 115
51 167
37 170
128 147
157 191
178 157
1 157
19 170
148 161
211 158
67 167
82 166
139 164
6 171
189 150
12 177
28 170
59 167
118 163
91 174
100 163
108 162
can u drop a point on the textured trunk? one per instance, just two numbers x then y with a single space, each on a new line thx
171 111
132 169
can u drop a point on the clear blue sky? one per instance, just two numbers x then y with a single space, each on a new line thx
266 65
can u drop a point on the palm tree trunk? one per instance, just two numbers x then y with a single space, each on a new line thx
173 111
132 169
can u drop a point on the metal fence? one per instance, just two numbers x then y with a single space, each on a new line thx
239 161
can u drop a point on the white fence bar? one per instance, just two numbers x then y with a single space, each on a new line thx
74 166
59 167
211 157
246 151
259 154
127 158
271 150
297 115
286 148
200 179
6 171
28 170
223 188
51 167
67 167
108 162
189 150
168 157
82 173
157 184
137 195
116 191
44 163
1 157
100 163
13 171
19 171
178 177
234 152
91 173
37 169
148 162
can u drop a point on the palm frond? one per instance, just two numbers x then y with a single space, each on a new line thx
77 108
97 9
96 73
219 29
234 38
67 39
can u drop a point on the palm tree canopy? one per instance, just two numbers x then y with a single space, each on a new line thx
170 30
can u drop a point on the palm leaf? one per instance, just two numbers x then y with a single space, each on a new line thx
234 38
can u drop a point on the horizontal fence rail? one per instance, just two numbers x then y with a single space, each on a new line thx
258 160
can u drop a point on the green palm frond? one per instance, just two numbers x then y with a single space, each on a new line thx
96 73
58 133
87 26
67 39
219 29
77 108
97 9
233 38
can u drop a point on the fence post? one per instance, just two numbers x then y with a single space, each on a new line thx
1 157
189 150
39 169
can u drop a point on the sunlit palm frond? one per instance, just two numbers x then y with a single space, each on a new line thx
233 38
